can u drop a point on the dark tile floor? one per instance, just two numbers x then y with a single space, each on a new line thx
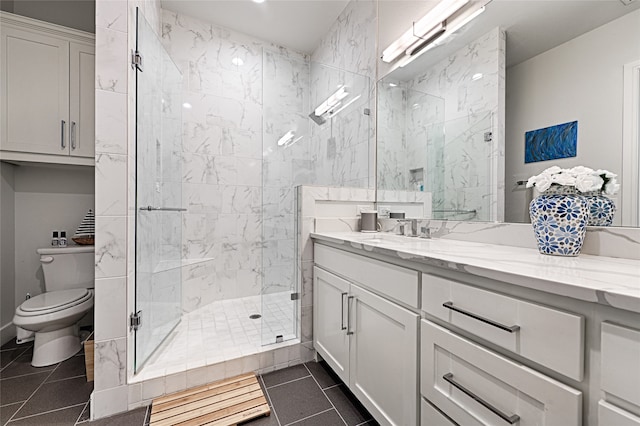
303 395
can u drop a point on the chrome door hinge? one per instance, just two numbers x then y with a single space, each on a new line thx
295 296
135 321
136 60
367 111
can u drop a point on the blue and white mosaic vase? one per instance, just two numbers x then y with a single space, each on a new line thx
559 221
601 210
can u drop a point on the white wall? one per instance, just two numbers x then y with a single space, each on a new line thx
78 14
7 257
46 198
578 80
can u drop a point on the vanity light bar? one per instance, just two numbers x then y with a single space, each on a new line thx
440 13
428 38
470 15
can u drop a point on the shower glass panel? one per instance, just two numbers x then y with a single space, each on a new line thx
459 165
285 164
341 133
158 193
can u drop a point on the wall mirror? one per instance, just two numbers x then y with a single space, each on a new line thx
452 122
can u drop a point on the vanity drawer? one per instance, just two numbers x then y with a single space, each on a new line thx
547 336
430 416
394 281
611 415
475 386
620 362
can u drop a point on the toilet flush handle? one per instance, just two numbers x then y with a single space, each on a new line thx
46 259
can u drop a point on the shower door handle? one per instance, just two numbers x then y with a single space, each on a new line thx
164 209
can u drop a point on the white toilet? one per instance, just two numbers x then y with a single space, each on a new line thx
54 315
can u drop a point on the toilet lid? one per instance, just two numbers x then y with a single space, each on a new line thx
53 299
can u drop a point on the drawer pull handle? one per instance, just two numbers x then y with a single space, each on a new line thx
509 419
509 328
342 327
349 299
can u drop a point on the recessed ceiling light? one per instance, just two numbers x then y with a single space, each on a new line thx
237 61
258 1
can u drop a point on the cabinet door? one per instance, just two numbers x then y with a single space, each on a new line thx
82 100
35 92
329 321
384 357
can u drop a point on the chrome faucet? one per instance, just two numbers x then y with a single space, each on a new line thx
411 231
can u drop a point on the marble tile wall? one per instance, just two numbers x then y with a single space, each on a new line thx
393 173
343 149
114 201
229 167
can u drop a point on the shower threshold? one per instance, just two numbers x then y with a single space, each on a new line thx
222 331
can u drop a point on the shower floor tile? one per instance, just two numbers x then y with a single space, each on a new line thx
222 331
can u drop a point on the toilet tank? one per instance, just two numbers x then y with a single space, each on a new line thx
68 267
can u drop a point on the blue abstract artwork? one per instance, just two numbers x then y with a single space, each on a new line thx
550 143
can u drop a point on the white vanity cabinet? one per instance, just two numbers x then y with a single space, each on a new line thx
370 341
620 376
47 92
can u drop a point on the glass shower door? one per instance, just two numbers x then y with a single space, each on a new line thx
158 194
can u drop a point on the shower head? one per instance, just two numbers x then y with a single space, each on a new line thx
319 120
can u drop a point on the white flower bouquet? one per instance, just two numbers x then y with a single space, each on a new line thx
582 178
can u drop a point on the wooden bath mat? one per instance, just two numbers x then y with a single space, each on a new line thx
227 402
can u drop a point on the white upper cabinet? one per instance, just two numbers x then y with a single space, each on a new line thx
47 92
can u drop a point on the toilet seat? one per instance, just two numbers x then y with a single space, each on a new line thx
53 301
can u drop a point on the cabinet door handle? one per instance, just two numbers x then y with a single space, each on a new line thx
349 299
62 143
73 135
509 419
342 327
509 328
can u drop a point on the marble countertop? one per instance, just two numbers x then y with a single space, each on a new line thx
605 280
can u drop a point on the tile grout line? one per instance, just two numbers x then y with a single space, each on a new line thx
273 407
33 393
286 383
24 350
81 413
48 412
325 395
28 374
67 378
311 416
